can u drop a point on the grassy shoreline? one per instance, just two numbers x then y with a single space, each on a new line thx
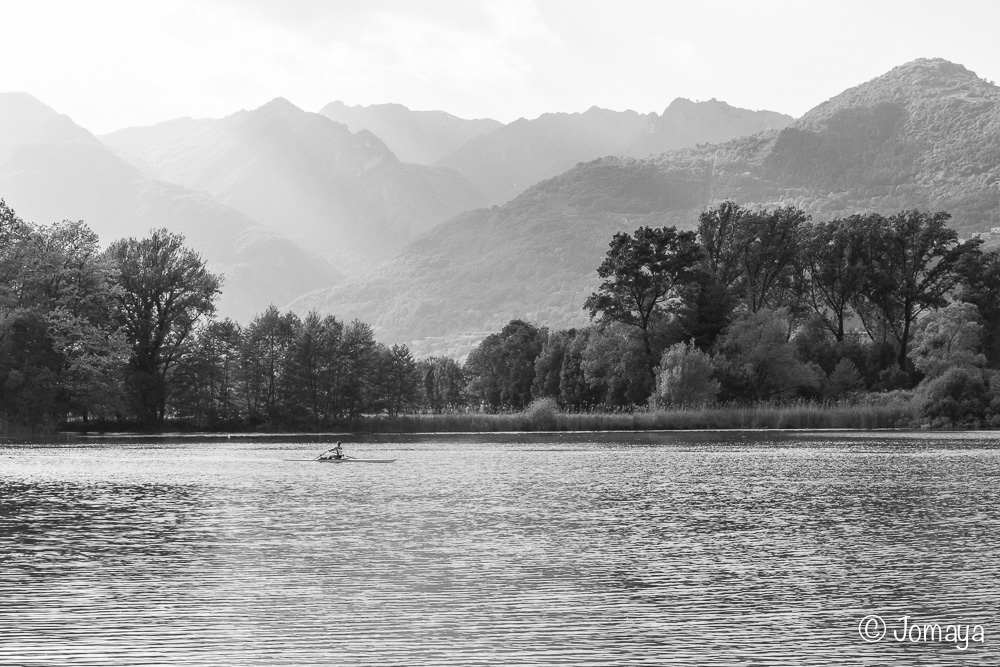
896 412
797 415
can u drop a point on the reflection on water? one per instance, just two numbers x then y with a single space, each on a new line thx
700 549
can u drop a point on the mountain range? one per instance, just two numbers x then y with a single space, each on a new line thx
505 162
924 135
52 169
421 137
344 194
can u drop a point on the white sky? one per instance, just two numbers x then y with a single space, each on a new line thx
117 63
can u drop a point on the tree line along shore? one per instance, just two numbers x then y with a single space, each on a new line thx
760 318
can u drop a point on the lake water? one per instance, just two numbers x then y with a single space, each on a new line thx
751 548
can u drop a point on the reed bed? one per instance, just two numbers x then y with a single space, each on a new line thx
13 431
791 415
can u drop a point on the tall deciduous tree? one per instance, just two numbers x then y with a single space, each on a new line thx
913 262
614 366
752 251
832 268
208 377
74 283
58 349
442 382
721 232
269 340
769 256
314 366
643 276
548 365
502 369
359 356
165 289
399 379
574 390
980 286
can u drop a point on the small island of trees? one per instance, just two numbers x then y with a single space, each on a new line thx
760 317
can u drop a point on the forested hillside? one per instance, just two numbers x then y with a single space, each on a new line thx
924 135
533 258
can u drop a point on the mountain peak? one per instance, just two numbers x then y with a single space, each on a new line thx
279 105
930 75
25 119
23 103
680 102
918 83
938 66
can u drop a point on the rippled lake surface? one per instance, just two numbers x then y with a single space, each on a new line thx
746 548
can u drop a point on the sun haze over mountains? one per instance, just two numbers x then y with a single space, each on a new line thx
482 222
51 169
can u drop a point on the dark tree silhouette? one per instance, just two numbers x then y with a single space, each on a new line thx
165 290
643 276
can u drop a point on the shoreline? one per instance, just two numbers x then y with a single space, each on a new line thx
894 414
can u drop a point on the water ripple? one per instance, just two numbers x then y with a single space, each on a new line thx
652 549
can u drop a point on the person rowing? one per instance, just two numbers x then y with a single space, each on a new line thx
335 453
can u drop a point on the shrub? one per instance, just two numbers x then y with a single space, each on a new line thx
844 380
958 395
757 360
949 338
541 413
684 377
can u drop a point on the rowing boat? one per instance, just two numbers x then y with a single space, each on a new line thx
346 459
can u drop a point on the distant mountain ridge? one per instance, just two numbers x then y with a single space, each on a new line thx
52 169
344 194
685 123
26 120
421 137
924 135
506 161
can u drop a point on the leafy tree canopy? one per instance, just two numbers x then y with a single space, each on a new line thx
643 275
165 289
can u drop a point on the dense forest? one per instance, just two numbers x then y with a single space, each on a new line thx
761 305
757 305
126 337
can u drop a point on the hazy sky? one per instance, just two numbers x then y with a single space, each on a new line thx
117 63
